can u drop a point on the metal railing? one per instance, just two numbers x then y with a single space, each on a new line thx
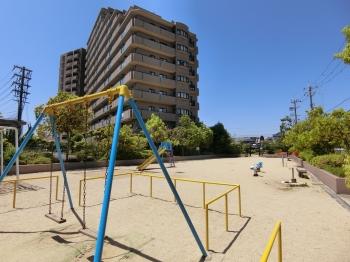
277 231
225 194
16 181
204 183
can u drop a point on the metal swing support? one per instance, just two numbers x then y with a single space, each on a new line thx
125 94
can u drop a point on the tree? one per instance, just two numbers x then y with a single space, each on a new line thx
69 119
157 129
206 136
320 133
186 134
131 145
345 53
286 124
222 141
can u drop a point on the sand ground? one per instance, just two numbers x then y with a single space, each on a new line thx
314 226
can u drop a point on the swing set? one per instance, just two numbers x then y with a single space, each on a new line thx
122 94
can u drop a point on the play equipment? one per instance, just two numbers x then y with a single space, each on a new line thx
166 149
123 93
204 183
277 231
150 160
256 168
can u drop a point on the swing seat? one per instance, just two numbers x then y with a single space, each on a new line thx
56 218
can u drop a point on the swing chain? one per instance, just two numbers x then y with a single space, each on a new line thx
51 167
63 200
109 140
85 156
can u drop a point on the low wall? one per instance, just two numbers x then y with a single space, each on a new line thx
337 184
25 169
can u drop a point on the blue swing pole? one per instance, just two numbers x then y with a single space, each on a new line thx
109 180
59 153
167 176
21 147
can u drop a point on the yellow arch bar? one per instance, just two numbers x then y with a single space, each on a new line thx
117 90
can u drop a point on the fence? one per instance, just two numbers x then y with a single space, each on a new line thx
16 181
277 231
176 180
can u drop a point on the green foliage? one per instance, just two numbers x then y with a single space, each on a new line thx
320 132
345 53
131 145
69 119
222 141
346 168
9 150
333 163
157 129
306 155
34 157
188 135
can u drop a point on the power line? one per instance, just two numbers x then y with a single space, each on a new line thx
342 102
334 76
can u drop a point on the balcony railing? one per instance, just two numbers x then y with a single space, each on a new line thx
153 97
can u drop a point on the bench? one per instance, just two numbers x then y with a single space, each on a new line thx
302 172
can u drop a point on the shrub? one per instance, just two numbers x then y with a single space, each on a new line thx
332 163
347 170
306 155
336 160
33 157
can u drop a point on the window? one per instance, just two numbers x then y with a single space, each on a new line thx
151 108
182 78
162 76
151 90
152 73
183 95
181 62
181 47
162 93
181 111
181 32
162 109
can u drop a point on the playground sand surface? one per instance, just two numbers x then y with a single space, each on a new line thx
314 226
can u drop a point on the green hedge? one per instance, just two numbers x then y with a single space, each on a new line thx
332 163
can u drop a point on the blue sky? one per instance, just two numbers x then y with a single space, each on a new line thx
254 56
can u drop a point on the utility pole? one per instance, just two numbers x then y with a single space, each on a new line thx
294 108
310 92
21 85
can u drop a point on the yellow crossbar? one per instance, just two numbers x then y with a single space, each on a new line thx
118 90
277 231
15 181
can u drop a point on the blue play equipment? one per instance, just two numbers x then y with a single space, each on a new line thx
257 166
169 152
123 94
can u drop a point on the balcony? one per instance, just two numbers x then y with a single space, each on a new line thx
154 46
155 30
194 90
153 80
128 115
140 95
152 62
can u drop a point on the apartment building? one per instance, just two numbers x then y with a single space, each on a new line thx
156 58
72 72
